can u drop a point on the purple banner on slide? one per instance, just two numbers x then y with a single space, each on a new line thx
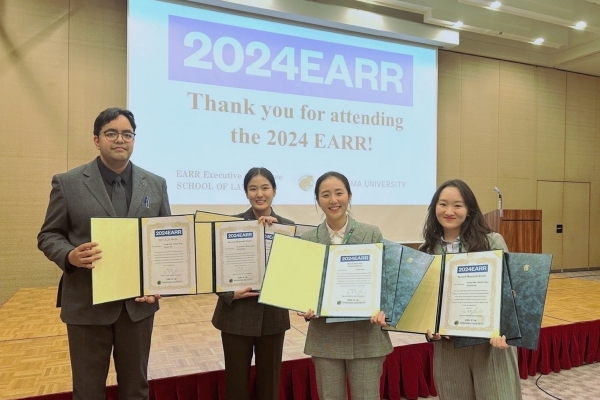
226 55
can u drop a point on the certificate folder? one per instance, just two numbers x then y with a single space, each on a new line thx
205 248
232 253
300 229
509 323
420 314
205 216
459 295
414 265
392 254
403 271
529 275
392 286
333 280
174 255
143 256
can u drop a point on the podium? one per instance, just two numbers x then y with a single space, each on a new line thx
521 229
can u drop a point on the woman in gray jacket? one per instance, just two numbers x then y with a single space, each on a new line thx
354 350
455 224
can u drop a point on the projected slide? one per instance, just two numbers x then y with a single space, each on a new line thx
216 93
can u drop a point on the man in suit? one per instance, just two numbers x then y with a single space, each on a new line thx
109 186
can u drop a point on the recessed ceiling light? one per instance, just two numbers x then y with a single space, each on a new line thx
580 25
457 24
538 41
495 5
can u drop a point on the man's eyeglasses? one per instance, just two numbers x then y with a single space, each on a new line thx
112 135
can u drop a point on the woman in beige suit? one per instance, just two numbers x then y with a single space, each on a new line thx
486 371
354 350
248 327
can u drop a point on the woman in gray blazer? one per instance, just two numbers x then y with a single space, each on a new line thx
486 371
354 350
246 326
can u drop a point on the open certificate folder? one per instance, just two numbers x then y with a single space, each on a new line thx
460 295
333 280
176 255
143 256
231 252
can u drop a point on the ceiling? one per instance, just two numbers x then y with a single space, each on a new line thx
507 32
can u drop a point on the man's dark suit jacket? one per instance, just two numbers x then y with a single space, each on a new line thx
76 196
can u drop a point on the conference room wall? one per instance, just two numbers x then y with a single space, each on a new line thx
62 61
511 125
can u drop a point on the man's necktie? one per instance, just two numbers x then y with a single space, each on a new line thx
119 200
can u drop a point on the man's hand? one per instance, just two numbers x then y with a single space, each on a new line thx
84 255
148 299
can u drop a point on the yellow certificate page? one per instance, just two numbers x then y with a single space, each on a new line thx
204 257
116 275
293 277
421 312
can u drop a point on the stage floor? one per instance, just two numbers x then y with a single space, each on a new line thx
34 358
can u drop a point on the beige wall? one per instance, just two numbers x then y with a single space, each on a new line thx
62 61
515 126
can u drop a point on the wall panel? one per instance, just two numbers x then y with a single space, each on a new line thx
479 127
516 135
550 201
551 92
62 63
98 70
595 190
580 128
449 113
33 111
576 217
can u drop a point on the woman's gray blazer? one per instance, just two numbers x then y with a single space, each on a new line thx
346 340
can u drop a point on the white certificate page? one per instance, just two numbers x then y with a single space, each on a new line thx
352 286
471 296
240 255
168 254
